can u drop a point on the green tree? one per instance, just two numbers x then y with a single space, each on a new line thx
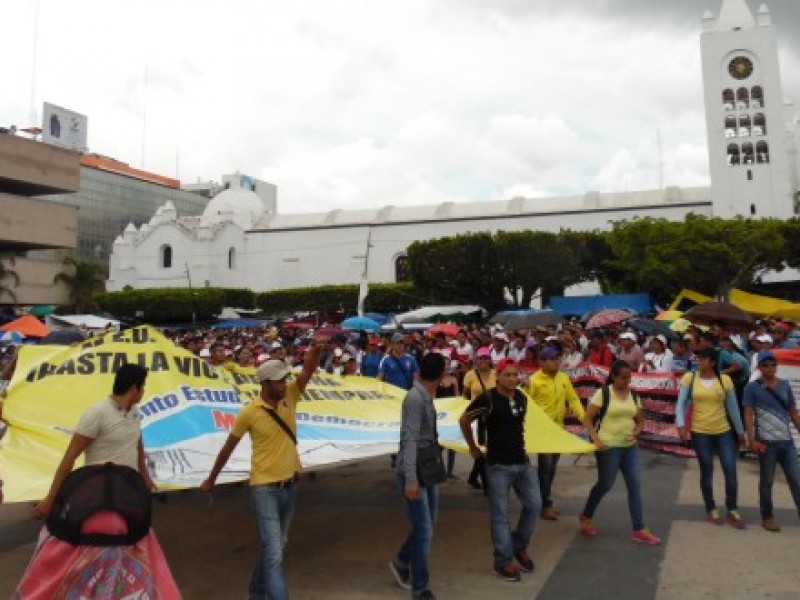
84 281
10 274
710 255
463 268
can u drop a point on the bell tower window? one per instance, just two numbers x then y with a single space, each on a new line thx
757 97
742 99
734 155
762 153
728 99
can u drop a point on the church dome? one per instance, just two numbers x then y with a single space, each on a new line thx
241 206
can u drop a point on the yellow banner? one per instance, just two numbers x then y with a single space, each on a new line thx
189 407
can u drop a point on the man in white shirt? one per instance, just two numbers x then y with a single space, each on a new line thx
109 431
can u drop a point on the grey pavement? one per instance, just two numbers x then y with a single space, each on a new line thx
350 521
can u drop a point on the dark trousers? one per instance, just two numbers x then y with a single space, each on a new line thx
547 473
478 473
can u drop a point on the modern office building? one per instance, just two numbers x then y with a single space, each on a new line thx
111 195
29 171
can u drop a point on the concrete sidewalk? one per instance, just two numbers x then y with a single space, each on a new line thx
350 521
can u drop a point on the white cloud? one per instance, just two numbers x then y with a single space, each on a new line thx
354 103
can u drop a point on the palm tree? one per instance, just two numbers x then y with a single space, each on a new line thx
84 280
6 273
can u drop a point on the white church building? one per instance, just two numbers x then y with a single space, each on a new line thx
241 241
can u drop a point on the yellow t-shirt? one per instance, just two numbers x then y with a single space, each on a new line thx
553 393
473 384
275 455
708 403
618 422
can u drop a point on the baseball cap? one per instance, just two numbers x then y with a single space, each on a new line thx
205 353
627 336
765 338
501 336
276 346
483 352
398 338
504 363
347 357
766 355
548 353
272 370
661 339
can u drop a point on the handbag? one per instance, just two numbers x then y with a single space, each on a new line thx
430 465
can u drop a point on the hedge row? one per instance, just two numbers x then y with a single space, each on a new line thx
165 305
171 305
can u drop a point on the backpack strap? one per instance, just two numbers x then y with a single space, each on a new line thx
607 400
281 423
603 407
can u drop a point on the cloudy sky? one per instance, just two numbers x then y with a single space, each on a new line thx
363 103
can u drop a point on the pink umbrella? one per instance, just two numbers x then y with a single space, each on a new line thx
607 317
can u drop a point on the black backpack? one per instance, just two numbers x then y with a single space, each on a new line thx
95 488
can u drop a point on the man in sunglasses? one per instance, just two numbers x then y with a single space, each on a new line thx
503 409
769 413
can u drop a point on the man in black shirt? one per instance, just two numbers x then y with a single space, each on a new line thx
503 409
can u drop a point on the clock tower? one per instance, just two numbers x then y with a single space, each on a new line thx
751 130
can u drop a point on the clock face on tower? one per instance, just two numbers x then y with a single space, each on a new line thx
740 67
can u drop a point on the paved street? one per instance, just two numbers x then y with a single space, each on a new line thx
350 520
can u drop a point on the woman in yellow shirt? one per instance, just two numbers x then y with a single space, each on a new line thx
615 436
712 400
476 382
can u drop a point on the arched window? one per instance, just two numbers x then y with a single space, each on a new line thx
734 156
232 258
401 269
166 256
757 97
762 152
744 126
730 127
748 155
728 99
759 124
742 99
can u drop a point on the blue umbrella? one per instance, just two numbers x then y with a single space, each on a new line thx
361 324
13 337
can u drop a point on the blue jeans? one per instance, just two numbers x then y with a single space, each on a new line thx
273 506
520 478
546 469
609 463
785 455
723 444
414 552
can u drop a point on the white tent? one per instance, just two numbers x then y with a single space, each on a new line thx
91 323
426 312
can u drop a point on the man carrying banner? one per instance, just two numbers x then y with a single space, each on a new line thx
275 465
508 467
417 432
551 389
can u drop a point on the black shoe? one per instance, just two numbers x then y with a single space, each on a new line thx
508 572
424 595
525 563
403 576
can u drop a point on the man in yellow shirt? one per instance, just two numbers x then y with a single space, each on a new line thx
551 389
275 465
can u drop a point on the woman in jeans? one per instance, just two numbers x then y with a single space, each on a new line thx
615 436
711 398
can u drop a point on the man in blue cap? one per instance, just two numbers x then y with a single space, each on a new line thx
397 367
769 413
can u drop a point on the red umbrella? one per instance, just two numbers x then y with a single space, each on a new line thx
450 329
609 316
